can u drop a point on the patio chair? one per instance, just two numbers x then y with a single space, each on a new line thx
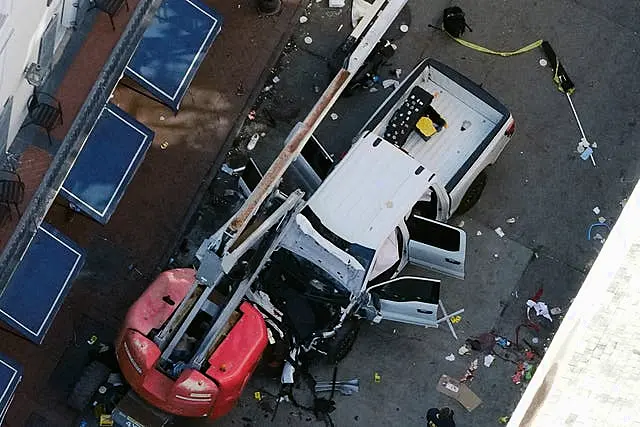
110 7
45 111
12 191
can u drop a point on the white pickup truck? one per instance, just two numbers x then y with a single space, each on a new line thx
473 131
419 158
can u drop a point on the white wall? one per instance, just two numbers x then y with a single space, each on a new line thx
27 20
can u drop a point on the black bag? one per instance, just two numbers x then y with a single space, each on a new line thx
453 21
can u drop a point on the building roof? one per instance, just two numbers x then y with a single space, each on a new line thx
369 192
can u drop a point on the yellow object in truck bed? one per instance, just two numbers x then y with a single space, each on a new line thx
425 127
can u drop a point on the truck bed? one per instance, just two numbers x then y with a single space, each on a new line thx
457 100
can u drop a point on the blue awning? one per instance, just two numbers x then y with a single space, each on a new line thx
10 376
40 282
172 48
109 158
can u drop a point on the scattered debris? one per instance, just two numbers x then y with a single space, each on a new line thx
516 378
257 395
543 62
460 392
316 89
461 223
464 350
478 233
275 79
390 82
336 3
162 118
465 125
496 256
529 370
483 342
253 141
267 88
398 72
450 357
340 27
596 210
346 388
404 28
373 89
556 310
540 308
469 374
376 377
535 340
334 116
511 220
240 89
488 360
503 342
455 319
598 236
504 419
308 40
602 220
587 153
303 19
164 145
251 115
499 231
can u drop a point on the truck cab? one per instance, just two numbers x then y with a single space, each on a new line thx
353 237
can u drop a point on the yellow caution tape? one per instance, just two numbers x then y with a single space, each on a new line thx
482 49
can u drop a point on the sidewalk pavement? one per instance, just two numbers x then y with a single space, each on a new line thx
129 251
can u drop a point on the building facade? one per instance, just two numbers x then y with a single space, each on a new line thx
33 33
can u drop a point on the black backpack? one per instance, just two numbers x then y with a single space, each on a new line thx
453 21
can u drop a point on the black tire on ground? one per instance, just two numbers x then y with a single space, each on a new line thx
473 194
340 345
94 375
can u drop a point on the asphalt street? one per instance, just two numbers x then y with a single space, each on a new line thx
540 181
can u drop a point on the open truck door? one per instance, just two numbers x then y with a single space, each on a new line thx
408 299
436 245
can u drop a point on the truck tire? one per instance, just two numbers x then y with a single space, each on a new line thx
93 376
340 345
473 194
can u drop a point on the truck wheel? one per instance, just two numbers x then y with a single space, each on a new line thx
473 194
93 376
340 345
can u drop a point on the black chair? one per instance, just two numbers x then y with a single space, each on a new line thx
44 111
110 7
11 191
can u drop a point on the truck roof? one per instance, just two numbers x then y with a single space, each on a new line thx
369 192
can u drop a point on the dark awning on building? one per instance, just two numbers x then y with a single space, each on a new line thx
172 48
40 282
107 163
10 376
